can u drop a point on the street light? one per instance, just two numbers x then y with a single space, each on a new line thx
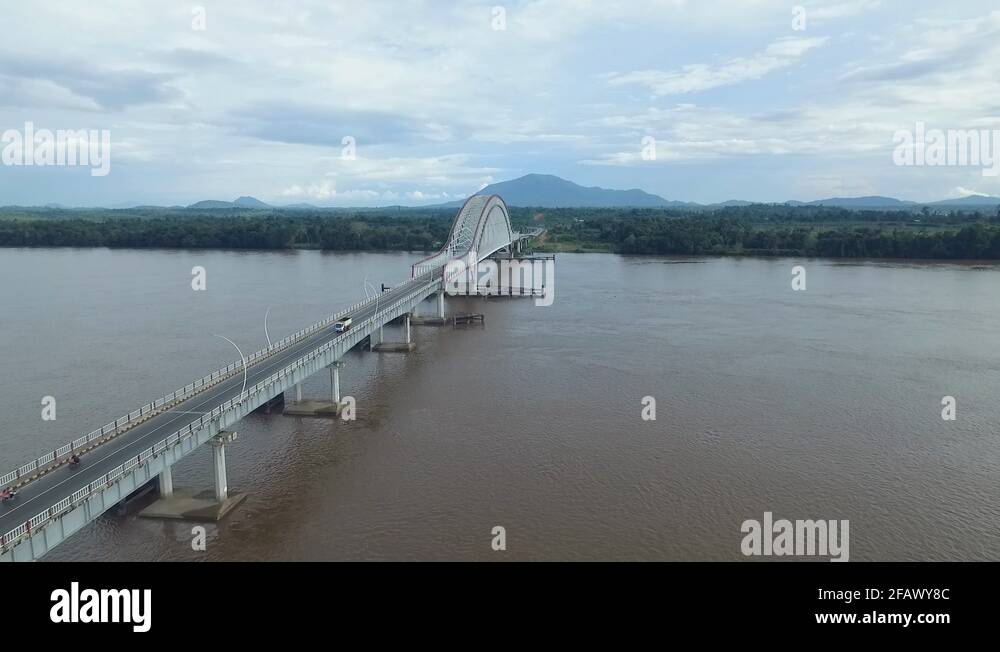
244 366
367 285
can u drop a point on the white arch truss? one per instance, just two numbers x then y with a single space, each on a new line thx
482 226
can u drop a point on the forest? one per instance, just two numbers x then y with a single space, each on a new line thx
759 229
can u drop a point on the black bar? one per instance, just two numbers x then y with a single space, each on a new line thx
306 599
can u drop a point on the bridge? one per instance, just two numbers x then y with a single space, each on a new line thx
137 450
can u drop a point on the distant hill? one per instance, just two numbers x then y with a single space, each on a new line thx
891 203
212 203
549 191
240 202
250 202
972 201
860 202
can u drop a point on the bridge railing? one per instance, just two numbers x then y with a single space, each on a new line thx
419 270
105 481
61 454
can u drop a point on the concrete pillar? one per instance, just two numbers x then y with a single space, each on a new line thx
298 392
219 457
440 298
166 482
406 322
416 310
335 381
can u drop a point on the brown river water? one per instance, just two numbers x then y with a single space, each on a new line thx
816 404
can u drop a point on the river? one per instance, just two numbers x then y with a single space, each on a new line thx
824 403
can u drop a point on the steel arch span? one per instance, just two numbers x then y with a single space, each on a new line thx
481 226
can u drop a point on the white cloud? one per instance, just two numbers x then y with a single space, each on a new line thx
695 77
967 192
840 10
317 190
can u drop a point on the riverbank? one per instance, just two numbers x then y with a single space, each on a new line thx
764 231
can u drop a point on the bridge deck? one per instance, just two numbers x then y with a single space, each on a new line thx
42 493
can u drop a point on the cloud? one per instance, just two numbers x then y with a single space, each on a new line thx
959 191
82 85
318 190
841 10
937 50
440 104
193 59
327 125
693 78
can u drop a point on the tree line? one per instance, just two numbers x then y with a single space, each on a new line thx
246 231
723 237
743 230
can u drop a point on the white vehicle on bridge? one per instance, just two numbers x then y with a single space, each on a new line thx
342 325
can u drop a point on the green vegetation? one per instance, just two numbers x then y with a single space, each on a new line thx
773 231
227 229
746 230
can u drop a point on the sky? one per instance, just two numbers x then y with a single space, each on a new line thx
422 102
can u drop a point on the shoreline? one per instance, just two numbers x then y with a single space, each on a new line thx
992 262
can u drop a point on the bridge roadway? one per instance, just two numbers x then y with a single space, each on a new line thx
42 493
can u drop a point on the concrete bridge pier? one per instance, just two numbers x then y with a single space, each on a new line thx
219 462
309 408
166 482
187 505
376 338
394 347
439 320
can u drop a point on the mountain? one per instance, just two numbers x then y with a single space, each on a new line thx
876 202
972 201
862 202
240 202
212 203
249 202
549 191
